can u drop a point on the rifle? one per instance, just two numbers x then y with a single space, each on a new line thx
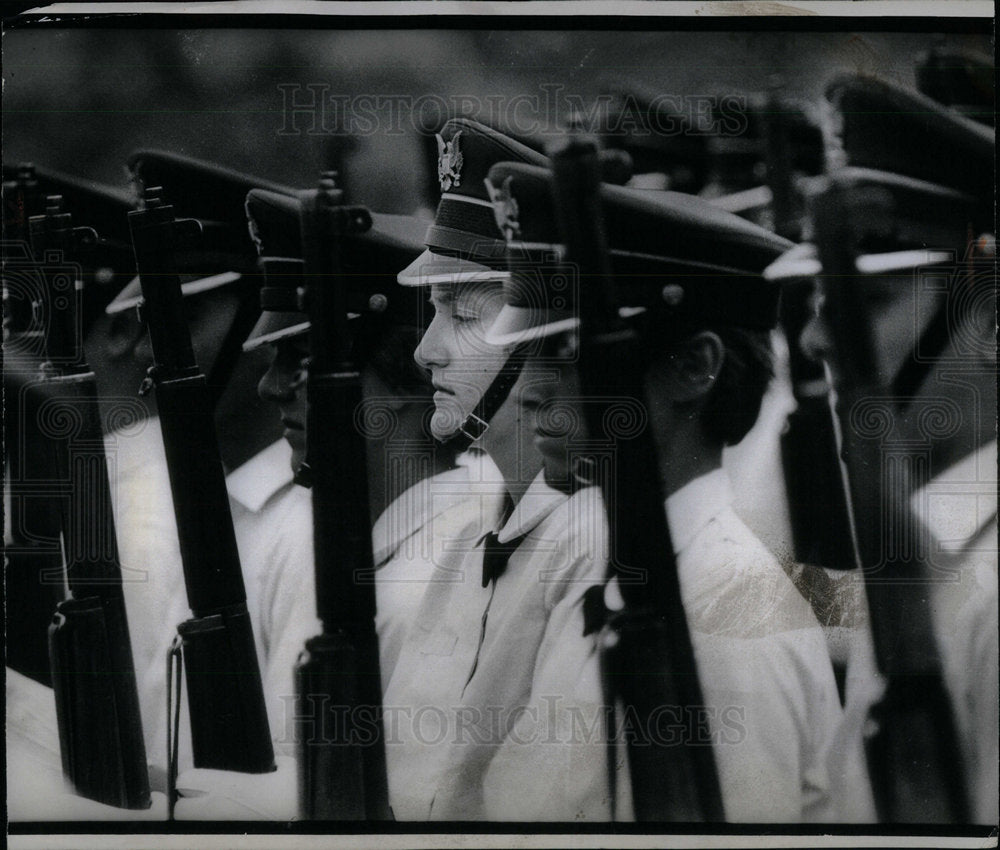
817 502
915 759
107 256
652 664
22 200
229 727
342 770
32 528
93 676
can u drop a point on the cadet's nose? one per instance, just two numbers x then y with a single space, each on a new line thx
430 350
815 340
278 384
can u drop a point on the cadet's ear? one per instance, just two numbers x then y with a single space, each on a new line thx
694 367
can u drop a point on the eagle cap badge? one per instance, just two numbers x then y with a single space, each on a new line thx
505 208
449 162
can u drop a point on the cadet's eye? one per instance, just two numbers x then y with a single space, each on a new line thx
463 318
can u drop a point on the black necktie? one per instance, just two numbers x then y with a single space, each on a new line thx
496 555
595 613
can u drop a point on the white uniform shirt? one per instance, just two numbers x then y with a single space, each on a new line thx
272 517
553 762
959 508
440 638
273 522
407 541
34 766
473 656
152 579
762 658
533 619
763 664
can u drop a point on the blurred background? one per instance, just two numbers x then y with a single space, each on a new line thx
80 100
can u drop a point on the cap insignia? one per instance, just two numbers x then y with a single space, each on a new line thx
505 209
449 162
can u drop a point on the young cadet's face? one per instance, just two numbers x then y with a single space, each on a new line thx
453 348
284 384
897 310
551 399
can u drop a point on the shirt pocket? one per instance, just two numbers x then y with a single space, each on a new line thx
439 643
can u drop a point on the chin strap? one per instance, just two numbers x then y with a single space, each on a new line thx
304 475
477 422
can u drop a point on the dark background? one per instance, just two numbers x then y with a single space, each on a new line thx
79 100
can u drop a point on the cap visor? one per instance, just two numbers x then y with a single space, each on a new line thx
897 261
518 325
739 202
430 268
800 261
131 295
274 326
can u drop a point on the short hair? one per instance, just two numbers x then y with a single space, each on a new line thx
733 404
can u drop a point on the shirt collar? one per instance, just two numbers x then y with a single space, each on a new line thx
476 476
957 505
538 501
254 483
696 504
414 508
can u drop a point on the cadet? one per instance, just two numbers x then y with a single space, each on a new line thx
688 277
413 483
922 272
494 604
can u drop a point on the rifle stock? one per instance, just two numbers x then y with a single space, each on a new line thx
342 770
90 653
651 667
229 726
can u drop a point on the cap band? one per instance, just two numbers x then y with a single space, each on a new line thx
480 248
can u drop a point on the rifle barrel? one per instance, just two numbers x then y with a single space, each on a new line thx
653 664
229 726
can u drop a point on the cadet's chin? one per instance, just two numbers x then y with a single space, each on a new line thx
447 419
557 477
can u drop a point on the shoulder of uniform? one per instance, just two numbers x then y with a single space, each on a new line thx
735 587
